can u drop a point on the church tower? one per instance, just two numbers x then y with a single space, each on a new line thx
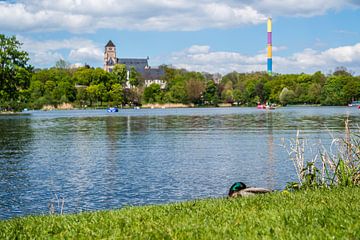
109 56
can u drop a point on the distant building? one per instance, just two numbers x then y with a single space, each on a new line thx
217 77
141 65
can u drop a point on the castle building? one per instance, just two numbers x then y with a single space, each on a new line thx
141 65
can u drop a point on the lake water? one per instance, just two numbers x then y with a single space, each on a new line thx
96 160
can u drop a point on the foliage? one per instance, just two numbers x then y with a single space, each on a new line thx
286 96
52 86
15 73
211 93
315 214
152 93
338 166
194 89
20 87
120 73
62 64
134 77
116 94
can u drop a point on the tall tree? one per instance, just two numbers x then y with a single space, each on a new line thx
14 71
152 93
286 96
211 93
116 94
134 77
120 73
194 89
62 64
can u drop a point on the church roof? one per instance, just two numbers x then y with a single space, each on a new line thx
153 73
138 63
110 44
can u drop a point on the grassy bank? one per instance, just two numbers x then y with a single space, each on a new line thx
315 214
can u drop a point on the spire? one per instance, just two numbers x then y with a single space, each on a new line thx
110 44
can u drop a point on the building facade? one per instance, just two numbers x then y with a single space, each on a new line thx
141 65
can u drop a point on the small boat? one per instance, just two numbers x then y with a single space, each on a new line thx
266 106
261 106
112 109
354 104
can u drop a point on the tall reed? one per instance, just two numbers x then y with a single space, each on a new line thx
338 165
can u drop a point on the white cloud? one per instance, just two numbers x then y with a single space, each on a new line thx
85 53
76 65
162 15
46 53
346 54
298 8
308 60
198 49
201 57
90 15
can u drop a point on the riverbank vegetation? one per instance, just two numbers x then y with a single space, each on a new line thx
309 214
22 86
337 165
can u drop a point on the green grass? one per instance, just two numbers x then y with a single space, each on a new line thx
311 214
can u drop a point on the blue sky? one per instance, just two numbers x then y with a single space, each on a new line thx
203 35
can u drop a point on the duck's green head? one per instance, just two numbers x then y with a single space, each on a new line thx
236 187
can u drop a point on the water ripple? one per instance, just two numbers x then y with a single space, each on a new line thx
96 160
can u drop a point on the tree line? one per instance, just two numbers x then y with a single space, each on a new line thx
22 86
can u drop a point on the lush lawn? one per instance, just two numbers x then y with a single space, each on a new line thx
320 214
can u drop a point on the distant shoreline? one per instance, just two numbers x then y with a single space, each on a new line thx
157 106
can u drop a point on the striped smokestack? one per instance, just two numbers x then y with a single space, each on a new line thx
269 46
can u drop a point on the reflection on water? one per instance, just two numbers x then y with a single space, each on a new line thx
96 160
15 138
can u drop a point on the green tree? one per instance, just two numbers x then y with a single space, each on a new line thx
91 93
36 90
314 94
101 93
352 89
342 71
116 94
134 77
49 91
177 93
81 96
83 76
194 90
152 93
62 64
286 96
133 96
249 93
227 93
120 73
15 72
333 92
228 96
238 96
211 93
65 91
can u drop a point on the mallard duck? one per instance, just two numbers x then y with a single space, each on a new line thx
239 189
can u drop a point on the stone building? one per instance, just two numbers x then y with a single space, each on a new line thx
141 65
